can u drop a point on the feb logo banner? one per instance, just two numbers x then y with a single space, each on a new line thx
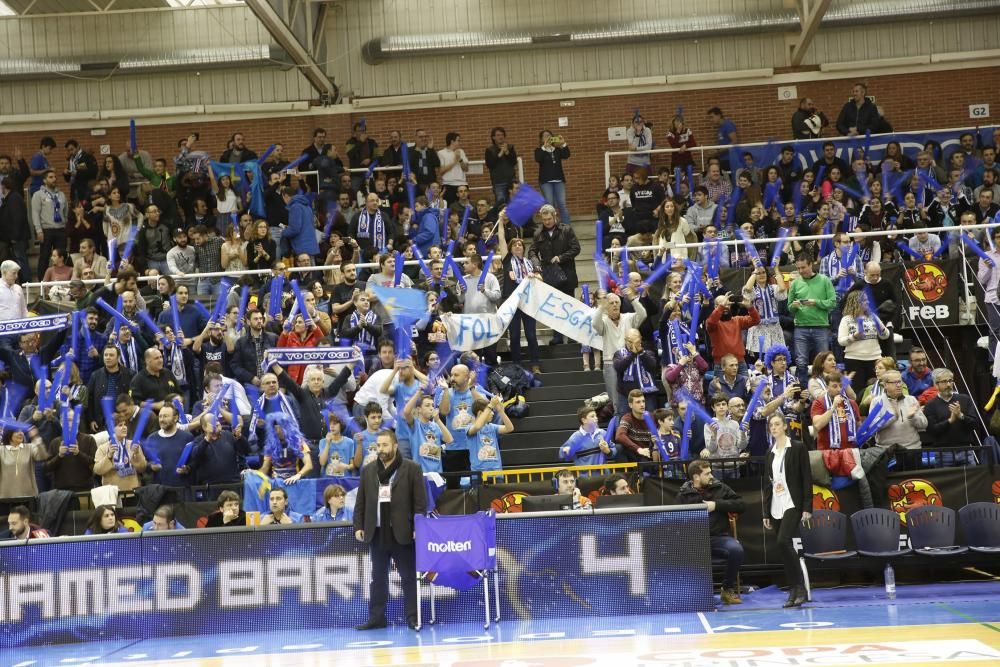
931 292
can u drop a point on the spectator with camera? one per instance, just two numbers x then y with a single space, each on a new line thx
808 121
552 151
725 328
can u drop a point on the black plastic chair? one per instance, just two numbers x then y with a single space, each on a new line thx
981 525
876 532
932 531
824 536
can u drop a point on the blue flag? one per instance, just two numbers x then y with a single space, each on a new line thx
409 304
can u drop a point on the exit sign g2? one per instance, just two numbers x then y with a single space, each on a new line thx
977 111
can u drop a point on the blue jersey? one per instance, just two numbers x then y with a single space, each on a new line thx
726 128
427 445
337 451
583 448
460 418
368 452
38 162
484 448
401 394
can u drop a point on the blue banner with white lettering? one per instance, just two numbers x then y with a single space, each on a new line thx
285 578
808 151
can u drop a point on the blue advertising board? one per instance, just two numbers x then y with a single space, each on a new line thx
210 581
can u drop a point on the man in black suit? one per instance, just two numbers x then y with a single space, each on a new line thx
391 492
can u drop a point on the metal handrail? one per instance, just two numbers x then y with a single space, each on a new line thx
362 170
813 237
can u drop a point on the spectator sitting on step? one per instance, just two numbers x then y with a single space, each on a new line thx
589 444
632 432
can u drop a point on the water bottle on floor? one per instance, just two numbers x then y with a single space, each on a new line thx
890 582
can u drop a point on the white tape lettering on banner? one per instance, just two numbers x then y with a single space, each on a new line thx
305 356
30 324
535 299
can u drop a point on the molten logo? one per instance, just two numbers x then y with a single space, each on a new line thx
449 547
926 282
911 493
825 499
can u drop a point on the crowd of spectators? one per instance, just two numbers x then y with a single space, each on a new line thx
791 335
174 394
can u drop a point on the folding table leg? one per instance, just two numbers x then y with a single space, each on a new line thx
486 600
496 595
419 602
433 607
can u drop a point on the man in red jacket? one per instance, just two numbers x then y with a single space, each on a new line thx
725 331
836 419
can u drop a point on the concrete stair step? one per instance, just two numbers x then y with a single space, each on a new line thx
570 378
562 406
578 391
540 423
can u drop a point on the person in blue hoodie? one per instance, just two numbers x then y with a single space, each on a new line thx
427 224
300 235
589 445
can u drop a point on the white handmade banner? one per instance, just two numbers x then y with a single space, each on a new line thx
535 299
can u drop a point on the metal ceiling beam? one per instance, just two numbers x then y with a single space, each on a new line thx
811 13
290 23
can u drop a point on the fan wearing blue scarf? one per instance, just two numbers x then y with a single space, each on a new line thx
835 418
636 369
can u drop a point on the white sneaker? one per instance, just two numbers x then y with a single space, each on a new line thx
983 342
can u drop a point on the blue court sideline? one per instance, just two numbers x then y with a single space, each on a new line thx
835 608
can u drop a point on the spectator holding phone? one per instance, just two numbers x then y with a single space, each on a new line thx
810 299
